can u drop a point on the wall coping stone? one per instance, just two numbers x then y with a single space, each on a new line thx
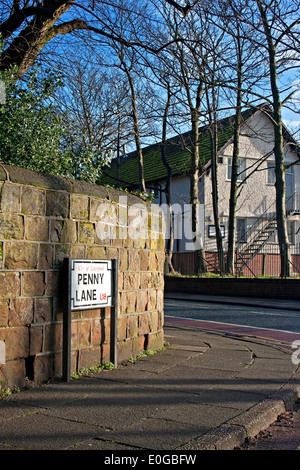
54 182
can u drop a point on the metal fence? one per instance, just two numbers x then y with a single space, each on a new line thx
262 265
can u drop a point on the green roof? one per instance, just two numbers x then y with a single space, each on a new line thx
178 156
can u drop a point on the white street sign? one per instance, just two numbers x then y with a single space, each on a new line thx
91 284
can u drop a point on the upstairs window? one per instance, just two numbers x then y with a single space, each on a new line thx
271 173
241 169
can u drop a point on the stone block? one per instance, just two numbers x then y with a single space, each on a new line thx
122 328
60 253
132 326
37 229
154 280
144 324
125 351
152 299
16 342
79 207
57 364
21 255
105 353
63 231
92 313
142 301
133 260
160 299
128 302
138 345
43 310
35 340
33 201
89 357
78 251
112 253
131 280
86 233
153 261
81 334
45 259
10 285
97 328
33 284
4 313
53 337
156 340
13 373
117 236
120 280
10 198
145 280
57 204
154 321
43 368
53 281
144 260
103 234
123 259
20 312
11 226
96 252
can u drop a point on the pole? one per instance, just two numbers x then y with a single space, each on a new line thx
67 324
114 315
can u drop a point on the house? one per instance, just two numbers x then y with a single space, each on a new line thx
255 211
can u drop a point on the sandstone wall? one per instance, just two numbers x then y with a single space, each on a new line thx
45 219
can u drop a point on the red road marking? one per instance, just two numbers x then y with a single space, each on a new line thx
282 338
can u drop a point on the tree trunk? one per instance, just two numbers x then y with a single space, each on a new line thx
24 48
233 189
235 158
170 240
194 194
278 151
142 186
213 133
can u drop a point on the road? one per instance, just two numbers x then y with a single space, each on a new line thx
250 316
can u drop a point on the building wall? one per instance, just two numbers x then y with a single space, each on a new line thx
44 220
255 195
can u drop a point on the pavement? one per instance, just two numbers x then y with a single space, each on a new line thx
204 391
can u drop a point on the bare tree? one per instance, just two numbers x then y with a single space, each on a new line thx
27 26
280 21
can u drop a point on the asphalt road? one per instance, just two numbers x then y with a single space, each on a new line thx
257 317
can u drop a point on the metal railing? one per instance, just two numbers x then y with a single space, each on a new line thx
261 233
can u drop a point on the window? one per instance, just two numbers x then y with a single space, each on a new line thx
212 231
241 169
271 173
291 232
241 230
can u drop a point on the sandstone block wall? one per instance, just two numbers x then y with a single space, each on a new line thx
45 219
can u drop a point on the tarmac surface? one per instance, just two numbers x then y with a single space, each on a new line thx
205 391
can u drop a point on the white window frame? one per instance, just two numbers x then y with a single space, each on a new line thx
271 177
241 169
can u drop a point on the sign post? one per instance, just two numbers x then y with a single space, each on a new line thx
92 284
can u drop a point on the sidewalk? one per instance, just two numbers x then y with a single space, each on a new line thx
205 391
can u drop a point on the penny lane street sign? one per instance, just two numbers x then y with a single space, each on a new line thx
91 284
